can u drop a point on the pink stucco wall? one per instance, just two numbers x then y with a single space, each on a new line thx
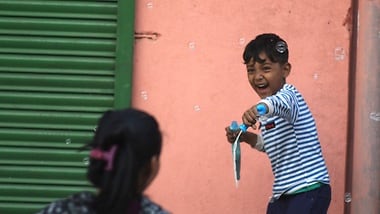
192 79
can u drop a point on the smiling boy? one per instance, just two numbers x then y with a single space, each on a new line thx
288 135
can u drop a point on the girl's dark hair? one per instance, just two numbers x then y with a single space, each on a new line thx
272 45
138 139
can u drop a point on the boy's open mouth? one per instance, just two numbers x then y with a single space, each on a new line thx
261 86
262 90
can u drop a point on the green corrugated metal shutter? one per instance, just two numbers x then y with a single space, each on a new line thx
62 64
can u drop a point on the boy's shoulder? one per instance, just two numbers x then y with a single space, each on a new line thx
288 86
291 89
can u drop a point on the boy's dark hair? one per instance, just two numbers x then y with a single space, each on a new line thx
272 45
138 138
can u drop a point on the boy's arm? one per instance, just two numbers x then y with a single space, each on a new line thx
283 104
254 140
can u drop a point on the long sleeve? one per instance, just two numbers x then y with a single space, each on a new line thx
283 104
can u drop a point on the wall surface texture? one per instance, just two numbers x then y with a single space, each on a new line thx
188 72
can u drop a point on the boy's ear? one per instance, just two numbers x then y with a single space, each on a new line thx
286 68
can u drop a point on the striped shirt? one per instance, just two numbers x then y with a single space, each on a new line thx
291 142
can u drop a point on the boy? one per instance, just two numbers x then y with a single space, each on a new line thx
288 133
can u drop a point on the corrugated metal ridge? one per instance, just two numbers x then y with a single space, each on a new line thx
48 120
68 160
57 64
56 83
43 138
16 175
64 9
14 190
55 101
57 27
57 46
21 207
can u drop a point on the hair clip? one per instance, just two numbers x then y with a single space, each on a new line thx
108 156
281 47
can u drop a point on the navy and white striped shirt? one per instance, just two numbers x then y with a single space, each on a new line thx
291 142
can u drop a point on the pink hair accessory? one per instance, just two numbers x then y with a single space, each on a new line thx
105 155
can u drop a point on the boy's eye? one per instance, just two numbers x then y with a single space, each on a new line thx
266 68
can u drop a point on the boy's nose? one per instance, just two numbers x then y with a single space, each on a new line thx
259 77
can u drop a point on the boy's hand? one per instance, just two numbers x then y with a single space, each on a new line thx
250 117
248 137
231 134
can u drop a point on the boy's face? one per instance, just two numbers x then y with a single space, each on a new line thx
268 77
